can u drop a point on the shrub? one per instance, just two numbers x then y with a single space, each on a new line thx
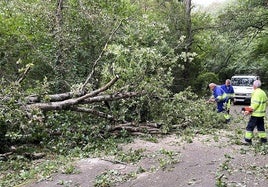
202 81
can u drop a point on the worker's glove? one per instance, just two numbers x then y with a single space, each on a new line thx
247 110
211 100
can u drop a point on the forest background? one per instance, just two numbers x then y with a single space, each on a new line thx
75 74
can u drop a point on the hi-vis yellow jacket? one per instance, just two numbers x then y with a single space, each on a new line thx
258 103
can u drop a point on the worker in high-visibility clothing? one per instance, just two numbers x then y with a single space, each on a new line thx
229 90
219 96
257 110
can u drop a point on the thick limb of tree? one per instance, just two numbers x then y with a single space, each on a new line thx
52 98
64 97
91 97
112 97
138 129
65 105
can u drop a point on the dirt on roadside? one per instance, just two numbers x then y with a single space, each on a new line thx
205 161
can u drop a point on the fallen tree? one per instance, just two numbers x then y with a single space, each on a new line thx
82 100
74 101
78 102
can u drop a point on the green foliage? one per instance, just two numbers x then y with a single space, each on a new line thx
169 158
187 110
23 33
12 117
69 169
220 182
261 48
19 123
143 60
131 156
140 57
70 131
202 82
18 169
108 178
243 26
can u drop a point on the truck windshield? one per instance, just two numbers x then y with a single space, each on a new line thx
242 81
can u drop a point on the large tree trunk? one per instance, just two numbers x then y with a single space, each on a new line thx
69 101
189 41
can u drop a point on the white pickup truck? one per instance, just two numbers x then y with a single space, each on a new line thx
243 87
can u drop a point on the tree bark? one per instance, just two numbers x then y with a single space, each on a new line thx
65 101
